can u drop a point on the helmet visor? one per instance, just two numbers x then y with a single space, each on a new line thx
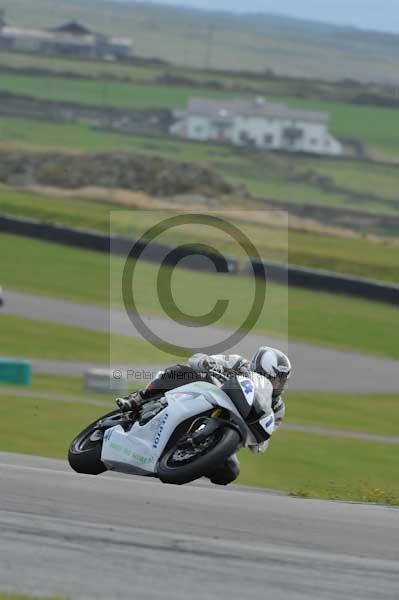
279 383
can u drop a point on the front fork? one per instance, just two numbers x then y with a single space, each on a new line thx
209 426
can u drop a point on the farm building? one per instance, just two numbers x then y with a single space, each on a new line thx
257 123
70 39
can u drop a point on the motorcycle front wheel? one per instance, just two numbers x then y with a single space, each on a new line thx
182 464
84 454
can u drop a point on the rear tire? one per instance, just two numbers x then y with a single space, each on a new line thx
84 455
201 465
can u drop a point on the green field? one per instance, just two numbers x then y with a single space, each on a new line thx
57 65
61 386
326 467
347 412
368 188
346 185
380 180
308 464
375 126
27 338
99 93
66 418
267 84
345 255
34 134
319 318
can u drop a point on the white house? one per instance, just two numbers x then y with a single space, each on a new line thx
256 123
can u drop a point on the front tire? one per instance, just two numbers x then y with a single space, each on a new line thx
170 471
84 454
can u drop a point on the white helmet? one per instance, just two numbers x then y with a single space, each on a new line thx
274 365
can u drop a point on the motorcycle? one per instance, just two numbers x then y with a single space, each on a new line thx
182 436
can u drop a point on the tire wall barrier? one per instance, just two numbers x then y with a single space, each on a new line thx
203 261
119 245
325 281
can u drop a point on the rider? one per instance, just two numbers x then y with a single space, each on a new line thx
267 362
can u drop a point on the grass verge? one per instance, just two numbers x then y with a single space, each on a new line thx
26 338
70 387
363 413
311 465
47 426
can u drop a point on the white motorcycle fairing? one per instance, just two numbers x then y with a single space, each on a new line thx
138 450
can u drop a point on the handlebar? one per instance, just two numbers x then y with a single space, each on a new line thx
224 374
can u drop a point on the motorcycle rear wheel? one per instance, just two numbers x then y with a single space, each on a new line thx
170 471
84 455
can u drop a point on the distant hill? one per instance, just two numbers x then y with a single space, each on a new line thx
225 41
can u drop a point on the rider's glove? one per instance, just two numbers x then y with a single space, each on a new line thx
202 363
209 364
278 407
259 448
244 371
219 373
132 402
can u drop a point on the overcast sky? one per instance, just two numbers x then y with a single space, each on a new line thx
381 15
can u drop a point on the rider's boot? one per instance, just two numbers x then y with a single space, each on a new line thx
131 402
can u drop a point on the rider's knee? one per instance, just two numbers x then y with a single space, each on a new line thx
226 473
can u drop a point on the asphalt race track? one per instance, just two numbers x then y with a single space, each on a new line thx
112 537
316 369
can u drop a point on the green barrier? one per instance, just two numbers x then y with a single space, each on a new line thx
15 371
